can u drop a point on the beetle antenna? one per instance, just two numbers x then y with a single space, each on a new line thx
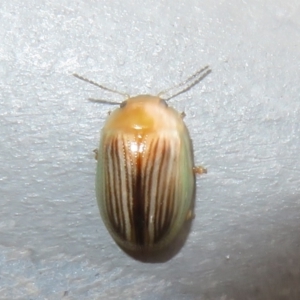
104 101
188 83
101 87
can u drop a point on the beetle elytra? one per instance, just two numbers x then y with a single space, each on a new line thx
145 177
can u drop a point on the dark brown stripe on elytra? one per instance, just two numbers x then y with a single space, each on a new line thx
144 176
109 187
164 205
171 197
166 222
148 166
117 187
170 185
160 190
113 198
166 189
120 158
138 202
128 162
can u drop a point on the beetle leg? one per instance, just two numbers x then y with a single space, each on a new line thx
190 215
183 114
199 170
96 153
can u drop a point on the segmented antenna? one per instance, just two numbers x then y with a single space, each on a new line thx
103 88
189 83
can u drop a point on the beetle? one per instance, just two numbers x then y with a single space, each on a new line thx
145 176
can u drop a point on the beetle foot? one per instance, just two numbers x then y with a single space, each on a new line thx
96 153
190 215
199 170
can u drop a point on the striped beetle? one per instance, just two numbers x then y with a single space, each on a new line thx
145 175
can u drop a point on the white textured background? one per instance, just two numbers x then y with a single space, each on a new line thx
243 118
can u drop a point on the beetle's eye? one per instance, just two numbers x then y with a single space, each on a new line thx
123 104
163 102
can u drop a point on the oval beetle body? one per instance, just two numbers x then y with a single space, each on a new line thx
145 177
